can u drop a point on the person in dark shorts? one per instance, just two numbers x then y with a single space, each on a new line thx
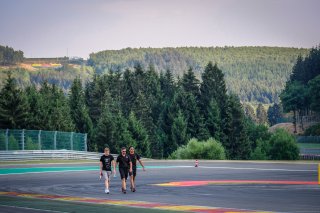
125 166
105 168
134 157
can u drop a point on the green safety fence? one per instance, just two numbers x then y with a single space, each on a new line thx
308 139
21 139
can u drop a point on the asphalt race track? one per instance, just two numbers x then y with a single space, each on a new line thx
276 187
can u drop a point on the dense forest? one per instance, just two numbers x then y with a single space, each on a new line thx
302 91
254 74
8 56
163 117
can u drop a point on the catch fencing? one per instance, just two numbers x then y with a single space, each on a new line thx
21 139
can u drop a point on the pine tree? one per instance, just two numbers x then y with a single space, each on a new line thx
60 117
249 112
178 133
293 99
314 93
122 135
190 83
79 111
128 94
13 106
187 104
36 108
261 115
238 146
213 87
153 93
94 94
213 122
274 114
104 132
167 84
140 135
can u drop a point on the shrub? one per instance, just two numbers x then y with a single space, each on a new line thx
210 149
283 146
30 145
13 143
261 151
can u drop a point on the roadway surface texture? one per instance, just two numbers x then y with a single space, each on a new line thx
214 186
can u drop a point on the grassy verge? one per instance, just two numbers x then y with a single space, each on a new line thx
66 206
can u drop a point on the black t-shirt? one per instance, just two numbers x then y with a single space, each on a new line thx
134 157
124 161
106 162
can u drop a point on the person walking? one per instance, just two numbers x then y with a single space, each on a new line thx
106 161
125 166
134 157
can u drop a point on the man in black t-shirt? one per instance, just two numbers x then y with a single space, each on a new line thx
105 168
125 164
134 157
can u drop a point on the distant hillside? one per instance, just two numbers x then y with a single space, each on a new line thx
60 71
256 74
25 74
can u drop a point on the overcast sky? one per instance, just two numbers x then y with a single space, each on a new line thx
51 28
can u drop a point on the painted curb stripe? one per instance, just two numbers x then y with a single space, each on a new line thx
17 171
129 203
236 182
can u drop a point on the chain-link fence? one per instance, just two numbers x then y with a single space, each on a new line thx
13 139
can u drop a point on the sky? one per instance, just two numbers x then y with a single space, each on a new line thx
53 28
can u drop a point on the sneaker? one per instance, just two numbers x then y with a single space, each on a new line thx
134 189
106 191
124 191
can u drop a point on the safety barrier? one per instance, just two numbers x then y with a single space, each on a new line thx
309 157
47 154
21 139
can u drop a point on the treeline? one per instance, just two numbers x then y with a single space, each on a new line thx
62 77
8 56
255 74
302 91
156 113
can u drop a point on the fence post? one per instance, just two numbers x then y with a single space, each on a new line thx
55 140
22 139
7 140
85 142
39 139
71 141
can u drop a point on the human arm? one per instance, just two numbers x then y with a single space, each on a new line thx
130 166
140 161
101 166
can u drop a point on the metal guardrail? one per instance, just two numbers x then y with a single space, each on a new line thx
47 154
310 151
309 157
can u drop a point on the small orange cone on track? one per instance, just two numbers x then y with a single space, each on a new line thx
196 164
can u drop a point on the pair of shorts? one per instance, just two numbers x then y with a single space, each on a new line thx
134 172
123 172
107 174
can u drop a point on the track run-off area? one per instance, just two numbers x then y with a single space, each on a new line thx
214 186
